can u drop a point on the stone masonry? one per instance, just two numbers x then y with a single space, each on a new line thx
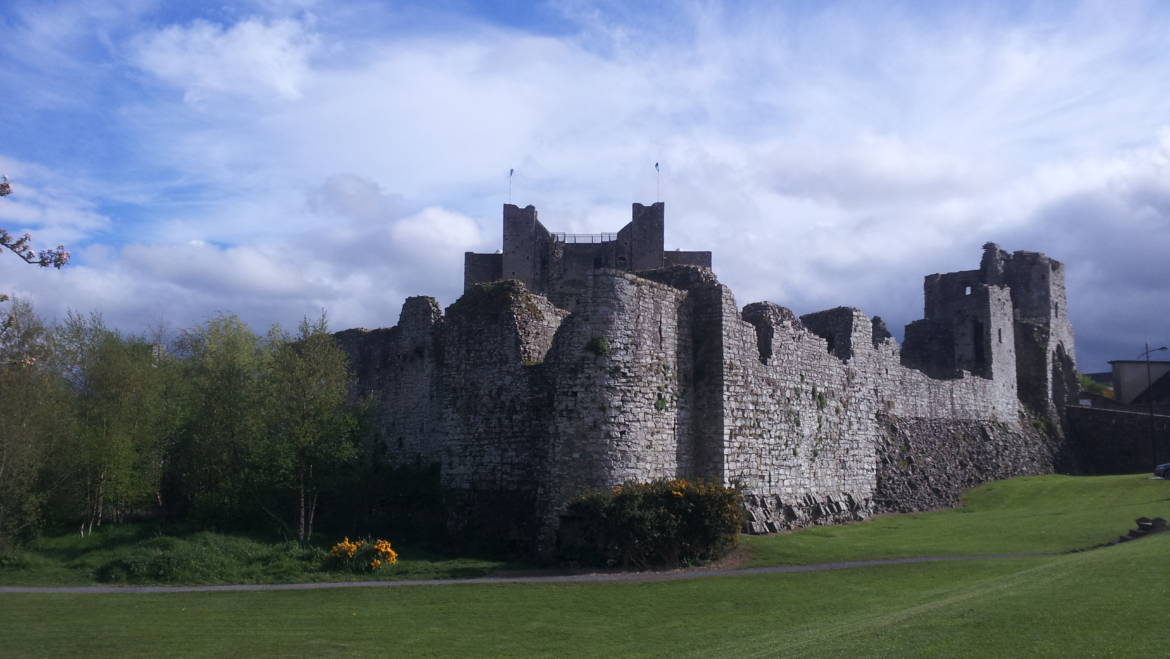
576 363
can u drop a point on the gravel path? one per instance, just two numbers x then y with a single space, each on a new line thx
671 575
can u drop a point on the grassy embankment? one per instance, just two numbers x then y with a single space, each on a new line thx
1031 515
145 554
1110 600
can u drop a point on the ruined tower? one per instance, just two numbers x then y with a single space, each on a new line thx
1045 353
1009 315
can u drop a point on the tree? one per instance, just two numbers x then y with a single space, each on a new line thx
310 428
119 395
36 424
44 258
1092 386
211 465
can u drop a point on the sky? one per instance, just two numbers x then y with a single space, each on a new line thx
274 159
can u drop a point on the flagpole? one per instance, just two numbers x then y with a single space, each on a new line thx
510 172
657 183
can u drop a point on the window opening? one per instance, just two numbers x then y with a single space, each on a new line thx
977 339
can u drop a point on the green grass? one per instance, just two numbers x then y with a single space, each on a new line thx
145 554
1093 603
1032 515
1110 600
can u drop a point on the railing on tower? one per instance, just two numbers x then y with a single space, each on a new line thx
584 237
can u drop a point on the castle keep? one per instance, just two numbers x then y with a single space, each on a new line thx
554 263
573 363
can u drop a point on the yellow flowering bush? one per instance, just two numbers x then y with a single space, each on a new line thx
361 556
345 548
666 522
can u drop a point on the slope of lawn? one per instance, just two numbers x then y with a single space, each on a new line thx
148 554
1031 515
1106 601
1034 515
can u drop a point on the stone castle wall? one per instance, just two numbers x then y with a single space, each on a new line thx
660 375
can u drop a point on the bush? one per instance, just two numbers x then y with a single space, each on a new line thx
598 345
157 566
661 523
206 557
361 556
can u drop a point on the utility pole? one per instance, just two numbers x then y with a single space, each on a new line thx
1150 403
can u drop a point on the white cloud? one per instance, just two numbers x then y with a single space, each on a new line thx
47 204
254 57
827 155
434 230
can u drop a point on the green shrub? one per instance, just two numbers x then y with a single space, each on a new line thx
661 523
598 345
361 556
207 557
13 560
157 566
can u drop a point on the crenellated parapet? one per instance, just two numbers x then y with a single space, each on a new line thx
558 264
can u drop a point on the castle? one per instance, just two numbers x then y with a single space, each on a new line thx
573 363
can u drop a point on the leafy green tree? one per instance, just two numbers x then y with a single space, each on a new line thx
119 396
1092 386
310 428
36 422
211 467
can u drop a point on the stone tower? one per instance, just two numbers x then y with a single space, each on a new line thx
967 326
558 264
1045 350
1009 315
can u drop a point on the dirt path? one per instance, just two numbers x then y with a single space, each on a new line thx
671 575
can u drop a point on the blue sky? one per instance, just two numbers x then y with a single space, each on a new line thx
275 158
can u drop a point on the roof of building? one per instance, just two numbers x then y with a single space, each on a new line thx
1159 392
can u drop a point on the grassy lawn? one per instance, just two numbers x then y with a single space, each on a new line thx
1036 515
1107 601
1111 600
1033 515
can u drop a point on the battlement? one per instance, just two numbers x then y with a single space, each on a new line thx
556 263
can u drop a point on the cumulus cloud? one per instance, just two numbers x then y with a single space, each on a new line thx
47 204
253 57
279 161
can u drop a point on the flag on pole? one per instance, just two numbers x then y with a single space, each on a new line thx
656 167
